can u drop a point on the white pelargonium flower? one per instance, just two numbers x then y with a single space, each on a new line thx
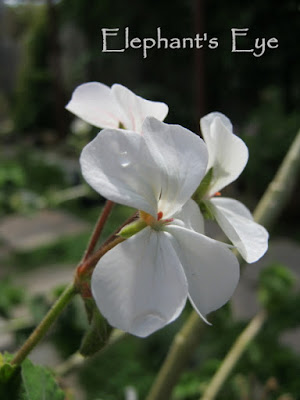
114 107
142 284
228 156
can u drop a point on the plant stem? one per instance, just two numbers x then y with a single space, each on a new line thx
234 355
85 267
280 188
60 304
45 324
266 212
115 233
98 228
70 291
183 344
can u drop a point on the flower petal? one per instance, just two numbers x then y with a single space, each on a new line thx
181 156
140 286
94 103
135 109
118 165
206 121
190 217
250 238
228 154
212 270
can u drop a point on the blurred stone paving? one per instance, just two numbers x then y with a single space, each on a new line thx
25 233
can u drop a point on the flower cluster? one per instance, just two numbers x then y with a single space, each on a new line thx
143 283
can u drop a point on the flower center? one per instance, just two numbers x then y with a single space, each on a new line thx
155 223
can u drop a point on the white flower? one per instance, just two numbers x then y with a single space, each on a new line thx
228 156
113 107
142 284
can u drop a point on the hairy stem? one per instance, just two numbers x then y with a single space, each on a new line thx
234 355
45 324
266 212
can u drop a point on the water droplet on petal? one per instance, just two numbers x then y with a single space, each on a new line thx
124 160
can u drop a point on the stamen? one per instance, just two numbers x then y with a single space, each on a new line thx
217 194
159 215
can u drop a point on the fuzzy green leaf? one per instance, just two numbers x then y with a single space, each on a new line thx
38 383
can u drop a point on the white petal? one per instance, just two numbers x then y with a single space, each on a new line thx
206 121
135 109
118 165
211 269
228 154
182 158
94 103
190 217
250 238
140 286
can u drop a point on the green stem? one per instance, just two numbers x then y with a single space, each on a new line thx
266 212
84 267
45 324
182 346
280 189
234 355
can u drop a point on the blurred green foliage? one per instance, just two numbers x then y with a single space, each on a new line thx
10 296
275 287
33 106
25 180
268 133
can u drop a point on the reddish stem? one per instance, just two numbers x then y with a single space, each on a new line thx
113 235
87 263
85 266
98 229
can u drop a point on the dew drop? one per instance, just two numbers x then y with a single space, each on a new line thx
124 161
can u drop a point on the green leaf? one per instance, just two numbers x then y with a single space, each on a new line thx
38 383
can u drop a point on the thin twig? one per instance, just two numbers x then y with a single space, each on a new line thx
234 355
